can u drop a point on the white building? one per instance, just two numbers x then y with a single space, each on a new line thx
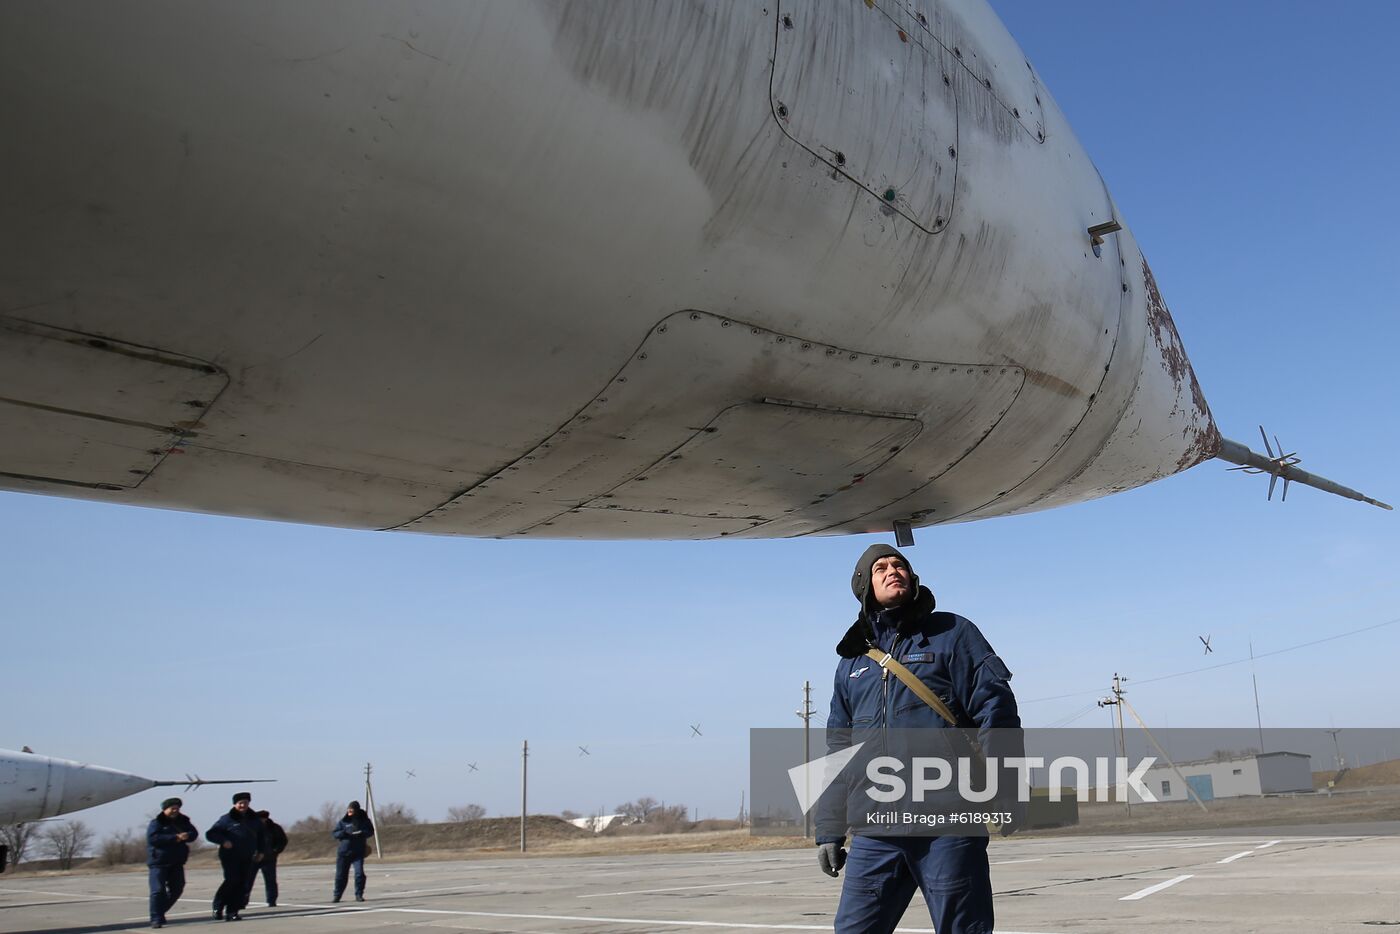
1267 773
597 823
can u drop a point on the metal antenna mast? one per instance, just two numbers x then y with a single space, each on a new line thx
1258 718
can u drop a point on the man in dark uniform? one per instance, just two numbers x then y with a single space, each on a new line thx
168 838
952 658
353 832
276 839
241 842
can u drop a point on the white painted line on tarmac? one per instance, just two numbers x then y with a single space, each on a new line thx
1178 846
1262 846
679 888
387 893
1153 889
99 898
652 922
201 913
1008 862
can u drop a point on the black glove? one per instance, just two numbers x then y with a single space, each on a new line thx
831 857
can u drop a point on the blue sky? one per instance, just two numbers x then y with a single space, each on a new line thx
1251 148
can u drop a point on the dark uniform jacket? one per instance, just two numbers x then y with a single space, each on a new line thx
353 834
244 831
947 653
276 838
162 849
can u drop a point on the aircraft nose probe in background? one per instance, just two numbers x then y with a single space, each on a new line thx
34 787
1283 465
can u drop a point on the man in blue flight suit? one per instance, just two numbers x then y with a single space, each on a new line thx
949 655
168 839
353 831
241 842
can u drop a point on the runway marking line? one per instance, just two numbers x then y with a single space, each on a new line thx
680 888
651 922
1262 846
1153 889
1174 846
99 898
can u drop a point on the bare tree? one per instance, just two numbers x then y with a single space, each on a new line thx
66 841
639 811
17 837
395 812
567 814
323 821
465 812
671 819
123 846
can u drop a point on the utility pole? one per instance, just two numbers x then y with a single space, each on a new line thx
524 785
369 807
806 714
1337 746
1117 702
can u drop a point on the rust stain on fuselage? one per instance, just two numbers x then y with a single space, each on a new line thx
1052 382
1202 435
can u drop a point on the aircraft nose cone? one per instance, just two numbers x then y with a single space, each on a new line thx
87 785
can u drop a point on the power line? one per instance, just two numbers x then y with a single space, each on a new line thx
1218 665
1072 717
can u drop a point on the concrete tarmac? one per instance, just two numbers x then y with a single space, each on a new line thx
1079 885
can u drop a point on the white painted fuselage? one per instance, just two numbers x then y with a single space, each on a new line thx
589 270
34 787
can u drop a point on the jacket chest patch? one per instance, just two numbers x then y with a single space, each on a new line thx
918 657
859 672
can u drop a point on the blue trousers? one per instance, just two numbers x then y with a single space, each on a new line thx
882 873
167 884
342 874
268 868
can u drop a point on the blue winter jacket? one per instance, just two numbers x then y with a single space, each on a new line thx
947 653
244 831
162 849
353 834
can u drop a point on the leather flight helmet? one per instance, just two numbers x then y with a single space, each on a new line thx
860 578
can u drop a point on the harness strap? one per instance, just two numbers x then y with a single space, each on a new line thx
912 682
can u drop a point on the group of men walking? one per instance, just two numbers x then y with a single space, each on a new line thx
249 843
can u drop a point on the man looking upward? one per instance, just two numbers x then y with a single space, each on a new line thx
952 658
